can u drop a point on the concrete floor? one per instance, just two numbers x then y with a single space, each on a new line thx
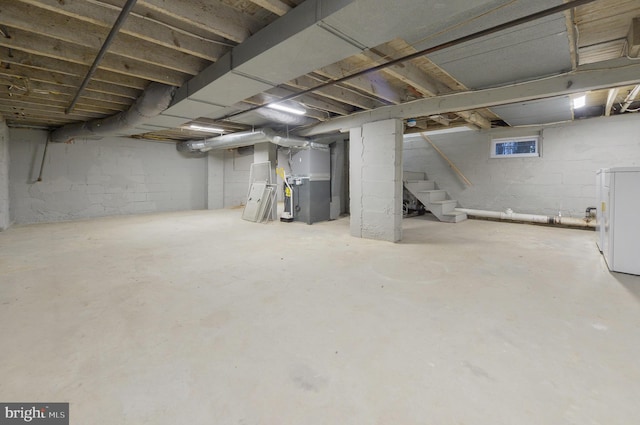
200 317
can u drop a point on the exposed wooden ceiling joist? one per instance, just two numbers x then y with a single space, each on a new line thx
84 104
70 30
121 84
274 6
104 15
373 84
338 93
314 101
46 47
37 44
217 17
64 83
427 85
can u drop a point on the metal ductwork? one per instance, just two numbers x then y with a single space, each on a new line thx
238 140
285 118
154 100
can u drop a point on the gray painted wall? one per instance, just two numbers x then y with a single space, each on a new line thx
561 180
215 180
93 178
5 220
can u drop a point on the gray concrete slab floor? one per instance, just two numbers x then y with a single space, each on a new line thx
200 317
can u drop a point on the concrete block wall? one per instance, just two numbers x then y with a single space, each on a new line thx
562 180
5 220
92 178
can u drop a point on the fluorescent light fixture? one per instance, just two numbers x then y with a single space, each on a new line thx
207 129
283 108
579 102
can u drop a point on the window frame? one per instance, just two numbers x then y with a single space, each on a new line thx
535 137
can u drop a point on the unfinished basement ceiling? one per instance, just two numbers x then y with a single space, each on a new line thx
47 46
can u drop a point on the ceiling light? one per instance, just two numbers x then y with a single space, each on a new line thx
207 129
579 102
283 108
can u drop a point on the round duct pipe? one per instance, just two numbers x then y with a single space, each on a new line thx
284 117
237 140
154 100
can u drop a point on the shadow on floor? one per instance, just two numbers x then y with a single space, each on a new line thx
631 283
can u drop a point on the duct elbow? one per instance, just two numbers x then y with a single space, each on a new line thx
152 102
191 146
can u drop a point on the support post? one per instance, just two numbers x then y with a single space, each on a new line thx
375 164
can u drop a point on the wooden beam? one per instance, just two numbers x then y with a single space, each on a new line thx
425 84
273 6
314 101
41 95
136 26
569 19
373 84
35 108
475 118
122 85
70 30
45 46
210 15
60 99
633 38
31 109
37 122
407 72
338 93
611 97
64 83
446 158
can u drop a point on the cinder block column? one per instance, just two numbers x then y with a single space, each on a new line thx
375 180
215 180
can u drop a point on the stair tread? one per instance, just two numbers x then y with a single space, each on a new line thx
418 181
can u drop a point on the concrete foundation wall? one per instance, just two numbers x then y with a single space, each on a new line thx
561 180
5 220
93 178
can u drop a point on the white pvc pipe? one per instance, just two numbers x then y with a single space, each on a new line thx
531 218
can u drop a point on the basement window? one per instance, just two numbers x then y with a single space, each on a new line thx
515 147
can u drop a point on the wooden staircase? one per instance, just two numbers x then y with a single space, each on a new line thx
435 200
